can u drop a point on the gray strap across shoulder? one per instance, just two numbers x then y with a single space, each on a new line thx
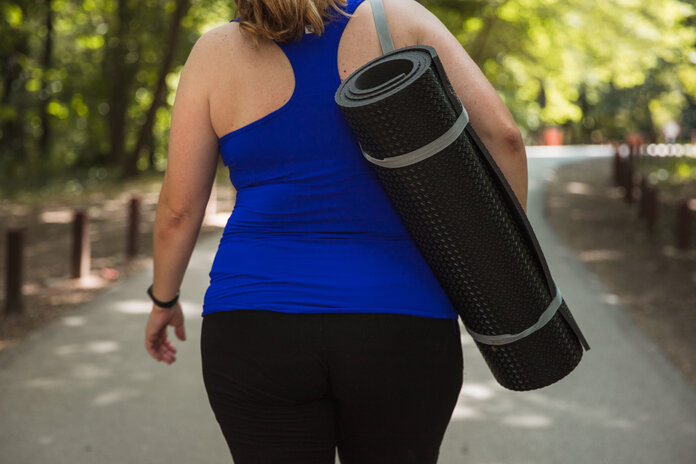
544 319
436 145
380 16
432 148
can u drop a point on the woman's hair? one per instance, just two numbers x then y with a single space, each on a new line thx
285 20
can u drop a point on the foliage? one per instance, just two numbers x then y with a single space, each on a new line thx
107 58
669 171
89 84
614 66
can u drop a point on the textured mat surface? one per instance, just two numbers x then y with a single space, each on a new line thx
462 214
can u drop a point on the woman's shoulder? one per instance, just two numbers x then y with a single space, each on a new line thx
218 42
412 18
219 52
404 18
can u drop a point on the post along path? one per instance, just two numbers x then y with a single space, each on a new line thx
83 389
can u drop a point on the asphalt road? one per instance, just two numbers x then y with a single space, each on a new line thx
83 390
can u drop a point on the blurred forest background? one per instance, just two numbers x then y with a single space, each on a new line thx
86 86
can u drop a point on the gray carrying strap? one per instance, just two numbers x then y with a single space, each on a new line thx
432 148
426 151
380 16
544 319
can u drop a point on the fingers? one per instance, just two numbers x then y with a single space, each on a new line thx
162 349
180 332
158 345
152 342
167 353
157 342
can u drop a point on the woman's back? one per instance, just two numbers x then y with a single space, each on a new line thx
247 82
312 231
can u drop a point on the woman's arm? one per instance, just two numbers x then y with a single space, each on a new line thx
191 166
489 115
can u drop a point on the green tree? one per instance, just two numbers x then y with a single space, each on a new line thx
553 61
89 83
86 86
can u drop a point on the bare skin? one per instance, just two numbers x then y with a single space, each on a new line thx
228 82
157 340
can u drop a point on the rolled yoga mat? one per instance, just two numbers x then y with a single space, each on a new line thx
462 215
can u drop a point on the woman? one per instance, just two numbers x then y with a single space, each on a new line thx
323 327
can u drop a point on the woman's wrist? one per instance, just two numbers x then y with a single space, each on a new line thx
162 303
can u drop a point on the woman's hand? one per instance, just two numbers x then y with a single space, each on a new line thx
157 341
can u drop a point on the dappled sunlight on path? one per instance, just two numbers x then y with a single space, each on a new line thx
83 389
624 403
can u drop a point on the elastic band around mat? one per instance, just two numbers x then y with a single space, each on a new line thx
380 16
426 151
544 319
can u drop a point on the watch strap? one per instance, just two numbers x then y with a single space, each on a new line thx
162 304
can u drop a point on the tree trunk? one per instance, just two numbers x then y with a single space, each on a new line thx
13 141
130 167
18 148
121 78
151 154
8 130
46 60
12 72
479 43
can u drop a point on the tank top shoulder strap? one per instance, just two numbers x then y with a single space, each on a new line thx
314 59
351 5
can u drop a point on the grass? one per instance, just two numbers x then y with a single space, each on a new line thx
668 171
79 185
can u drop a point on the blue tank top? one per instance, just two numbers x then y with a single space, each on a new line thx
312 231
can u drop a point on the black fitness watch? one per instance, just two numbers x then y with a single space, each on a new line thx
162 304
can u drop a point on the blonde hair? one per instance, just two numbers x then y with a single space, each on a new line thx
285 20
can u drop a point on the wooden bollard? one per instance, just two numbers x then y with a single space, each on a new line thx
684 217
14 271
628 182
80 263
644 186
620 172
635 152
617 165
133 226
651 208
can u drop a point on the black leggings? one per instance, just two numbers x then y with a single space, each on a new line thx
293 388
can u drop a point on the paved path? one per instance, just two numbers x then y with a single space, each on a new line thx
83 390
